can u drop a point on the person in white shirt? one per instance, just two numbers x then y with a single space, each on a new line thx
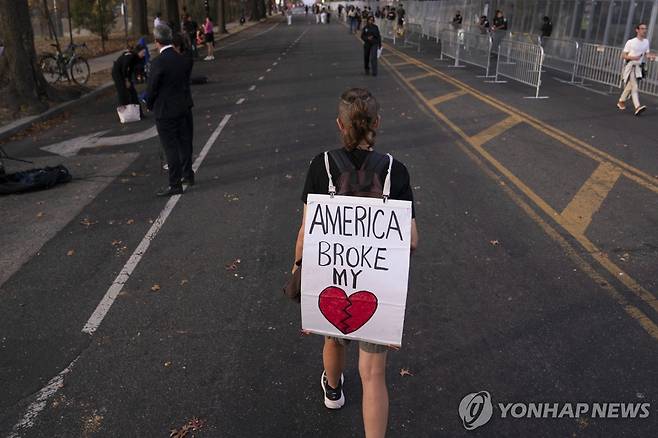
158 20
636 51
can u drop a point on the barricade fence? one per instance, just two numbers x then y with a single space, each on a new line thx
475 49
600 64
413 34
649 84
561 55
521 62
450 46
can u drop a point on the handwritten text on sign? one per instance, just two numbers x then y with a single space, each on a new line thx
356 267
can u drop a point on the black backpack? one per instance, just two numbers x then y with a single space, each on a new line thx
365 181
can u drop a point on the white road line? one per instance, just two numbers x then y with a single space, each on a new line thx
246 39
39 404
261 78
268 70
274 63
104 306
239 102
252 88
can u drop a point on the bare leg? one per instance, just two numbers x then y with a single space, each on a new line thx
333 357
372 368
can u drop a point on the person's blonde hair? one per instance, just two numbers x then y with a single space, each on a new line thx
358 111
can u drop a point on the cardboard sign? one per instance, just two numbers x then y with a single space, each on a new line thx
356 267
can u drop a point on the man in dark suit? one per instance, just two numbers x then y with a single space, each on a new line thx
169 97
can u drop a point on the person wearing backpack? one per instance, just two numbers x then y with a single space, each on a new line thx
357 170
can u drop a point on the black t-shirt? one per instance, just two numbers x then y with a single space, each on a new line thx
500 23
317 181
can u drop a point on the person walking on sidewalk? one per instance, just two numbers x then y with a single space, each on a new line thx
372 43
635 53
123 71
169 97
209 33
358 118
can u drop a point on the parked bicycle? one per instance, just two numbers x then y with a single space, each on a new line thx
65 65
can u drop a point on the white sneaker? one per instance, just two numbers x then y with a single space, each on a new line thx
207 58
333 397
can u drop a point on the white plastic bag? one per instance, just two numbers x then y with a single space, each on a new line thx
128 113
379 52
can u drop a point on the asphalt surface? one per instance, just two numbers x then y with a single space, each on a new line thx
504 297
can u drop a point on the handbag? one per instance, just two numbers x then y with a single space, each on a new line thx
293 287
128 113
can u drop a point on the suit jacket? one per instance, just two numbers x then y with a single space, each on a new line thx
168 93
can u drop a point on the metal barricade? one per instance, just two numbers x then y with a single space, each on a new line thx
475 49
450 46
600 64
431 28
386 30
413 34
521 62
561 55
649 84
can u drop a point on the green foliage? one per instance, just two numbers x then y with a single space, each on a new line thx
95 15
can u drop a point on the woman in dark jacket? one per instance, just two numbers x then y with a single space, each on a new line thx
122 74
372 42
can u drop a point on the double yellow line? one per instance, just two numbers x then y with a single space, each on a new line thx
577 216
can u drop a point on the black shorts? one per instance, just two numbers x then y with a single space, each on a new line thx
210 38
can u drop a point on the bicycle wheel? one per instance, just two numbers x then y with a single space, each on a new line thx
80 71
50 69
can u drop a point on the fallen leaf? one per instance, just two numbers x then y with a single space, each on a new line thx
405 372
233 266
167 364
70 252
184 282
193 425
155 287
130 221
494 242
40 214
88 222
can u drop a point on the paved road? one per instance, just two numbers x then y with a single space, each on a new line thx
535 279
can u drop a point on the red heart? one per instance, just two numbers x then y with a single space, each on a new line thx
347 314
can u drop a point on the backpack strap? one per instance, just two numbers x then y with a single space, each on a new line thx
332 187
342 160
387 182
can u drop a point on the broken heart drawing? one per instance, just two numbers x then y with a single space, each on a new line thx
347 313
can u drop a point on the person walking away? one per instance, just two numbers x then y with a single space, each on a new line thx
401 16
157 21
316 11
372 42
358 119
209 33
306 10
170 98
340 12
289 15
190 29
546 27
635 53
351 15
328 14
123 71
457 21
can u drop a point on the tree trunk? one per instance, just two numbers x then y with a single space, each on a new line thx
221 16
139 17
172 15
25 86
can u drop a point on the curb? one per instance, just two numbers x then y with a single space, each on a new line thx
19 125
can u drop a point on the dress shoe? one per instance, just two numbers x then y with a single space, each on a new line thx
169 191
